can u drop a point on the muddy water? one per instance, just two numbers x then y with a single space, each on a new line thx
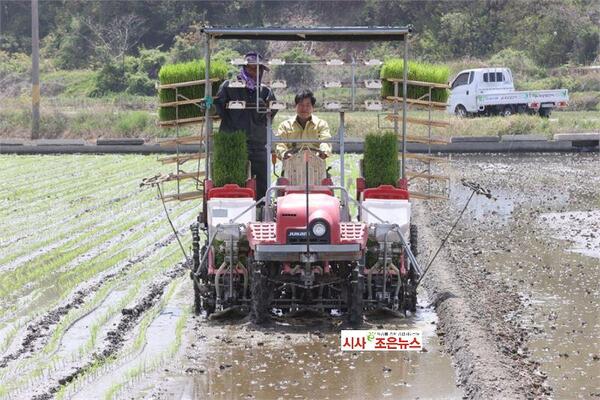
292 362
542 235
79 333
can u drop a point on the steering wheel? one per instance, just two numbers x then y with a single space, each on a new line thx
295 150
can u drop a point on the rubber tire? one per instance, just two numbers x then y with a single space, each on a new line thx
357 289
507 111
260 296
545 112
460 111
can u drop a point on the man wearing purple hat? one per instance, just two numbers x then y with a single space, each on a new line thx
249 120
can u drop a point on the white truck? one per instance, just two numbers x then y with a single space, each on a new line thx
490 91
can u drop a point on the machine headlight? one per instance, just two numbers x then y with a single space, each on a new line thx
319 229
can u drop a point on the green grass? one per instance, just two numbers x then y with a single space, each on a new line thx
417 71
230 158
186 72
380 162
71 83
131 123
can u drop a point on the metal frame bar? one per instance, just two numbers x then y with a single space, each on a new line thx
405 95
207 93
312 34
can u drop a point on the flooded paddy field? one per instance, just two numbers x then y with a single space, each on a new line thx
95 301
527 265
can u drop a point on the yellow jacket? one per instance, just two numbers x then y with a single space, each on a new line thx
316 128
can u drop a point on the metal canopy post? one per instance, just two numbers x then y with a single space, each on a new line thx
258 83
207 119
405 96
269 150
342 150
353 90
322 34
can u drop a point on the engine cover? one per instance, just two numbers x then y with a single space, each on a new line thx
291 218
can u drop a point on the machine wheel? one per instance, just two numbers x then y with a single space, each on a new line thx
357 288
197 299
414 237
412 298
259 288
460 111
202 299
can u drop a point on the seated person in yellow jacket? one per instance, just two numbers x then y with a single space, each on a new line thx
304 125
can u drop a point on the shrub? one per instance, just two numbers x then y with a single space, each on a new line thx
53 125
186 72
416 72
185 48
584 101
380 161
230 158
150 60
110 78
521 65
131 124
574 83
14 63
139 83
520 125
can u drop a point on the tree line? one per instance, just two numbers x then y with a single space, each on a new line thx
84 33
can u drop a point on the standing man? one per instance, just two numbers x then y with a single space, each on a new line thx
304 125
249 120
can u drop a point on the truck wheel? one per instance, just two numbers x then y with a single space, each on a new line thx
507 111
259 288
460 111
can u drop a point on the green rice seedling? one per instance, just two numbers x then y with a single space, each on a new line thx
230 158
380 161
417 71
186 72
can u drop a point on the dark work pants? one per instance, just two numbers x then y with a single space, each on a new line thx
258 161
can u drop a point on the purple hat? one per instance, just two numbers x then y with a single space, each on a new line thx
253 56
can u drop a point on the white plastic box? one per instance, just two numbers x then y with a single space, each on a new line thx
391 211
223 210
